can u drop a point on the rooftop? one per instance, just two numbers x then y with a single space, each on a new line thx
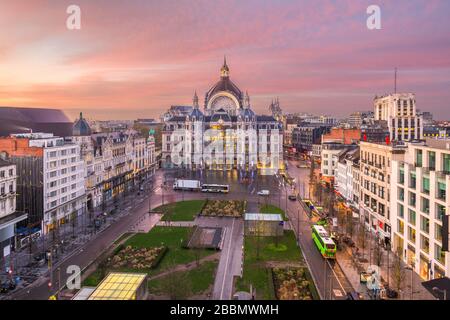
263 217
118 286
4 163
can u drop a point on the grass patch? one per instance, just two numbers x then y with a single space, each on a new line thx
94 279
268 208
187 283
181 211
171 237
255 271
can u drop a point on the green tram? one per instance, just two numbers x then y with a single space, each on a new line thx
323 242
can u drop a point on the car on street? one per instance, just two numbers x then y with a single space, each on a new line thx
263 193
7 286
292 197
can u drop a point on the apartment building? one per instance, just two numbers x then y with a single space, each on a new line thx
9 217
330 153
375 183
345 175
115 162
50 178
305 135
333 143
420 207
399 111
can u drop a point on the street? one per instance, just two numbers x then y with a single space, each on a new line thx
329 279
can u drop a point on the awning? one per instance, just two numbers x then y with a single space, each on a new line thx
12 219
442 284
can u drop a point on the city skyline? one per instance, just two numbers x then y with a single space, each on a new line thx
316 57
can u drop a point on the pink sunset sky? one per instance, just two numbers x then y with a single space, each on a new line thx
136 58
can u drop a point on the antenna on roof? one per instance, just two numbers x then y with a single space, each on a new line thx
395 81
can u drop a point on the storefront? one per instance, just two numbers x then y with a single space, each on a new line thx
424 267
411 255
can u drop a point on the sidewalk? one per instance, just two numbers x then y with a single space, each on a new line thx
68 238
352 266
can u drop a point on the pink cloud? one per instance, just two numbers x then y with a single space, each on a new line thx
146 55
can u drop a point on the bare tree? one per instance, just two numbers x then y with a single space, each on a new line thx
342 219
258 232
312 177
176 285
378 253
350 227
362 237
398 271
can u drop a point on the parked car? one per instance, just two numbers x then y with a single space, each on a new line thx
7 286
353 295
292 197
263 193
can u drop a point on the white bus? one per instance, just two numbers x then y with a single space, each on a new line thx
215 188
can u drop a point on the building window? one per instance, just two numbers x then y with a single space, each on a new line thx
425 205
438 232
446 163
412 199
411 234
425 244
412 180
432 160
400 226
419 162
426 185
401 176
439 255
412 217
440 211
425 224
401 211
401 194
441 190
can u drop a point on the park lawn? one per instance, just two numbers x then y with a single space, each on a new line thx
187 283
268 208
93 279
181 211
255 271
171 237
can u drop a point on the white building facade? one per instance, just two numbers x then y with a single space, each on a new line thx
420 201
64 189
399 111
8 215
375 179
228 135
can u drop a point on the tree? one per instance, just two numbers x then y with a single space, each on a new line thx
258 232
331 200
177 286
398 271
378 253
197 255
362 237
312 177
342 219
350 226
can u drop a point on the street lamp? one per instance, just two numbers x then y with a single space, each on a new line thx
437 290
